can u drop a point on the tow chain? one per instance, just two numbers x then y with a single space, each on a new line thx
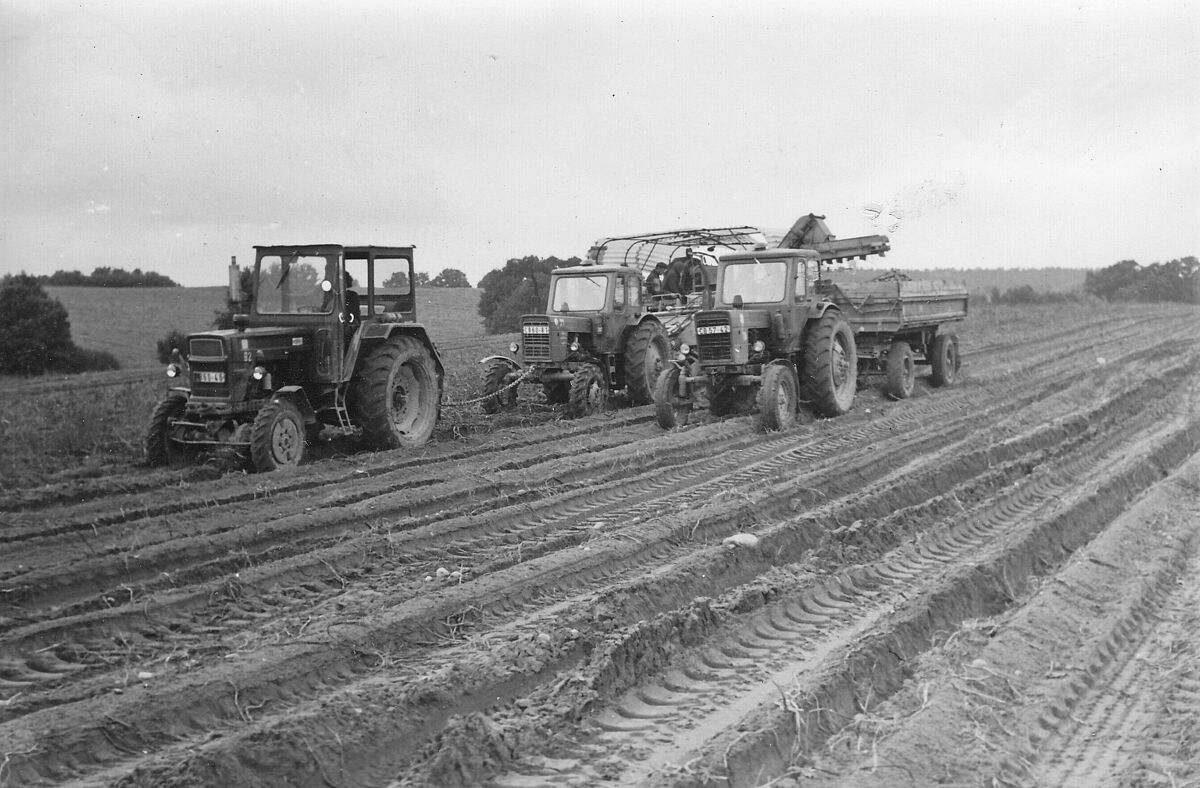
526 373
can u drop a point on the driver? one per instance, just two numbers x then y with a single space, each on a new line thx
353 304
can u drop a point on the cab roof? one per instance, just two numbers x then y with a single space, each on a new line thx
770 254
348 251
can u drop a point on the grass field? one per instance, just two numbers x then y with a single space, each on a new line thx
74 425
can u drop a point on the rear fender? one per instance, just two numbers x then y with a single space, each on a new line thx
372 334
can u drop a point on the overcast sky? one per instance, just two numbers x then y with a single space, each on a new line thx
170 136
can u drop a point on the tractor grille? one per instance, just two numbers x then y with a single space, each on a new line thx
536 336
209 378
713 338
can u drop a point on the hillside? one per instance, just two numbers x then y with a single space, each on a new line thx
128 322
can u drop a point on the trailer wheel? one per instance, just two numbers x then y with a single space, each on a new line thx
830 364
901 370
160 448
589 392
493 381
395 396
777 398
945 359
645 355
670 409
277 439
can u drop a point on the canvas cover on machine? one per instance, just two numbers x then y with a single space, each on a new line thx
643 251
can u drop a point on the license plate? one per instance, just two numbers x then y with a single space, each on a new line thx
536 329
210 377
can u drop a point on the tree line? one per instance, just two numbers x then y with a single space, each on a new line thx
104 276
1175 280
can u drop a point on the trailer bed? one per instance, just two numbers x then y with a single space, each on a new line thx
892 306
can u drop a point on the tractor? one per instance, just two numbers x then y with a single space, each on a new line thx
329 338
784 333
611 322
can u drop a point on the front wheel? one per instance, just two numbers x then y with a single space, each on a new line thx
901 370
498 393
589 392
945 361
161 448
396 394
830 364
645 356
777 398
277 438
670 409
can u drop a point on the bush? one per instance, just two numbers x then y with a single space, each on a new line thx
519 288
35 334
84 360
175 339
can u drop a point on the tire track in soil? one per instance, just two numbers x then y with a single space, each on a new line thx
250 697
1139 721
1091 680
651 728
45 667
859 437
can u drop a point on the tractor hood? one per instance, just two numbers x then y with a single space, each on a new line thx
250 344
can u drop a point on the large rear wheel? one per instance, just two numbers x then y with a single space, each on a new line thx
777 398
277 438
670 409
830 364
396 394
901 370
945 359
646 354
589 392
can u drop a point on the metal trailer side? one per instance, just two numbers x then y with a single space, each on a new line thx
885 310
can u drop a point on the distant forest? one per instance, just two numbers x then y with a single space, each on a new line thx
1176 280
107 277
990 284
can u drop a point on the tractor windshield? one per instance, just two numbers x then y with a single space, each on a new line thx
291 284
756 282
579 294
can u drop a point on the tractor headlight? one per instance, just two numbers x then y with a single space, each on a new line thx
514 347
758 346
259 373
173 370
574 346
685 348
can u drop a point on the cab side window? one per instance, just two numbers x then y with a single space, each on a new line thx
619 293
801 281
633 293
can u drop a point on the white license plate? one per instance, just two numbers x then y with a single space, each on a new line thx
536 329
210 377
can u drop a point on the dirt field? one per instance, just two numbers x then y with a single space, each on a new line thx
996 583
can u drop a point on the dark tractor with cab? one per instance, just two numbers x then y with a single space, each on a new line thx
329 338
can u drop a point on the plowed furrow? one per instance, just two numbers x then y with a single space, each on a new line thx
776 646
533 583
827 693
